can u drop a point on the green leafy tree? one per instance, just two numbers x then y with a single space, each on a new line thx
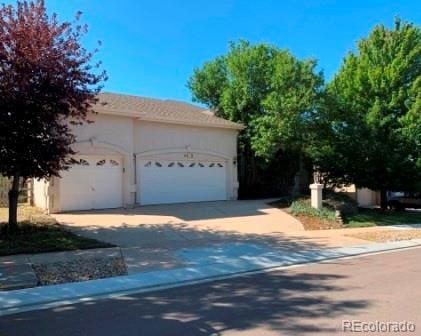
269 91
47 82
370 127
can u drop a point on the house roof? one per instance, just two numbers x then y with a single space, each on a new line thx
157 110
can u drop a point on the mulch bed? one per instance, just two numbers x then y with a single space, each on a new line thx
79 270
309 223
313 223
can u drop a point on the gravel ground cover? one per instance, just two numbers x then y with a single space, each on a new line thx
79 270
388 235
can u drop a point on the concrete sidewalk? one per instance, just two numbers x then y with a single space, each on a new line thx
201 264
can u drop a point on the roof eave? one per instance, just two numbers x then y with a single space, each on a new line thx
232 126
138 116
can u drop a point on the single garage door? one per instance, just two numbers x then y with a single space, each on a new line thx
94 183
161 181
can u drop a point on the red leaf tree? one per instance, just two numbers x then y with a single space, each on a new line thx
47 82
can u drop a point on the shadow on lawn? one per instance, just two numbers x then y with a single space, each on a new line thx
377 217
279 302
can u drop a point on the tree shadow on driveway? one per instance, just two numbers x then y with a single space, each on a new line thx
189 211
153 247
178 235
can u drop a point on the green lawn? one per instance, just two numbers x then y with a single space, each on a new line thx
376 217
39 233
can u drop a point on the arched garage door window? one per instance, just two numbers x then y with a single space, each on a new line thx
176 181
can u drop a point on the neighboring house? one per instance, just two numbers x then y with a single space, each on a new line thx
142 151
365 197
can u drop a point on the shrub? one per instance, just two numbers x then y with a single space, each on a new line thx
303 208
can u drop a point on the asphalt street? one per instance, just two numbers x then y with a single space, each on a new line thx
317 299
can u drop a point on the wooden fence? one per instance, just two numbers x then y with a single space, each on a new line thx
4 192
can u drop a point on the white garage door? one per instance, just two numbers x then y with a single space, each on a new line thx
94 183
161 181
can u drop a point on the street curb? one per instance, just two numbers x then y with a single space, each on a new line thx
16 301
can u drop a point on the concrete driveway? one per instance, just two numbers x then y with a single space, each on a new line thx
151 236
181 225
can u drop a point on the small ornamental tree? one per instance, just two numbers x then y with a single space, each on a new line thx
47 83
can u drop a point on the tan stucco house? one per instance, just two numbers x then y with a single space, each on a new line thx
142 151
365 197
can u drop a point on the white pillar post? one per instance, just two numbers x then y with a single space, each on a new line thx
316 195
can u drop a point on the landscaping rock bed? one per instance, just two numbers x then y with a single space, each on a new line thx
79 270
388 236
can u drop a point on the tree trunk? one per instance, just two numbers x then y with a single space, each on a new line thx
301 181
247 173
13 203
383 199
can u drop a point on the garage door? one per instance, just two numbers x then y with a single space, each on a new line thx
161 181
94 183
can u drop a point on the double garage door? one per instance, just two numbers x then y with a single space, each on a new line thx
95 182
176 181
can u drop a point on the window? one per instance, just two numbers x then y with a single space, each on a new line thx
158 164
201 165
114 163
220 165
180 164
101 162
192 164
212 165
83 162
148 164
171 164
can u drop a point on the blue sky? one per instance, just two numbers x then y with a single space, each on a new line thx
150 48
